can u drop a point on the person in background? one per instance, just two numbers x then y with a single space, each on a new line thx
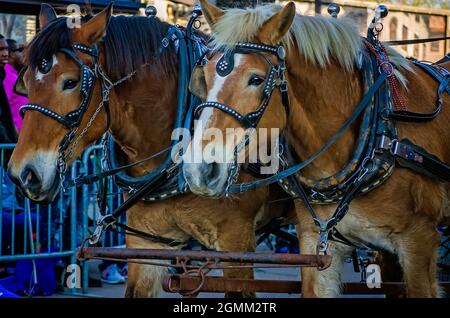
8 133
12 70
15 54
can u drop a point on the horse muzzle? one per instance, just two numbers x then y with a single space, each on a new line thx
38 183
206 179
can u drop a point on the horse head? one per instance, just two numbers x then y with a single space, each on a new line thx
59 80
242 84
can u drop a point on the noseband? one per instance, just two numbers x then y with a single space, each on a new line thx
275 78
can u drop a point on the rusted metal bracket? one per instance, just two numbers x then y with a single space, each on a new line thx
184 284
321 262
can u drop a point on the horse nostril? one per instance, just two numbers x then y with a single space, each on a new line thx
31 180
210 171
205 169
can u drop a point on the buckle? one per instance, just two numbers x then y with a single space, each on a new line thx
384 143
324 234
281 52
102 225
387 68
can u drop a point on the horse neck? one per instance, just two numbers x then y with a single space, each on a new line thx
321 100
142 118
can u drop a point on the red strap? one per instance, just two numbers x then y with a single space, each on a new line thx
398 99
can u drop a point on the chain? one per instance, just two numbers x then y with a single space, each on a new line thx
108 86
71 149
105 98
233 174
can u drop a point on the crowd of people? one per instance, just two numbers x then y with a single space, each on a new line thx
11 62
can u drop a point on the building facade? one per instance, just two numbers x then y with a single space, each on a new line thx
402 23
19 21
18 18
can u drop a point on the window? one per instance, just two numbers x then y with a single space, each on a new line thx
393 29
404 36
435 46
21 28
416 48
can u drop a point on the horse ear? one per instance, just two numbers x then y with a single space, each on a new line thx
95 29
46 15
211 12
197 84
273 30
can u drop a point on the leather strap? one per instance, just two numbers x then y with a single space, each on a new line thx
443 77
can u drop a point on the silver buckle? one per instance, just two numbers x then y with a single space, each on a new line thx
101 227
384 143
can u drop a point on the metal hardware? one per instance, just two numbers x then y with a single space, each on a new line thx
334 9
151 11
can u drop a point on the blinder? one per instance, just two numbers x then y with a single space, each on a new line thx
197 83
275 78
87 81
19 85
226 64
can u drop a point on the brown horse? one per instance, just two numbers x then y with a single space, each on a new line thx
140 117
325 85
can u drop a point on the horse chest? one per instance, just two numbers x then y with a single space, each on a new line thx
359 228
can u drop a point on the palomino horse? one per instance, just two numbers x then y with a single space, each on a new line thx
140 117
325 85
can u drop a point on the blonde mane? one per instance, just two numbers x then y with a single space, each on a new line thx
319 39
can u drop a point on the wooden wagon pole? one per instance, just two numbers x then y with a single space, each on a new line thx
319 261
185 284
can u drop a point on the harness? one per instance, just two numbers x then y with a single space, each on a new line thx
377 149
189 48
166 181
184 41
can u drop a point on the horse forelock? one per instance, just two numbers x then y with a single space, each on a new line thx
49 41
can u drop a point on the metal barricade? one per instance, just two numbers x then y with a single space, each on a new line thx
91 164
30 231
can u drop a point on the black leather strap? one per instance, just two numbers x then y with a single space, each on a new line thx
47 112
443 77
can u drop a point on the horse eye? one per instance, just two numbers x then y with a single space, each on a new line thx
255 80
70 84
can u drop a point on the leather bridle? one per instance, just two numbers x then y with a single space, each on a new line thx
275 78
73 119
87 82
